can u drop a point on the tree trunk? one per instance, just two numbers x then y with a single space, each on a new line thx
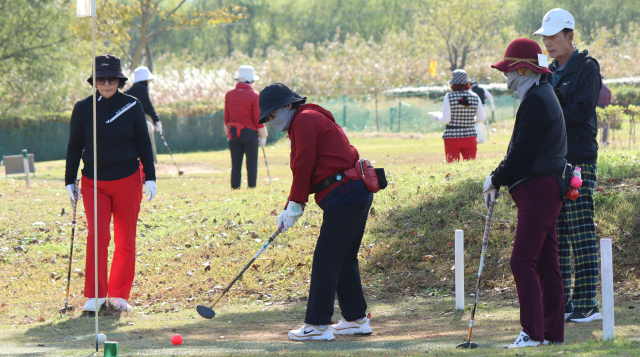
149 57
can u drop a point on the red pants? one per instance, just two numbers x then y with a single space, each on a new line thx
453 147
120 198
534 260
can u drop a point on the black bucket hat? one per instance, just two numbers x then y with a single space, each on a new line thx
274 96
108 66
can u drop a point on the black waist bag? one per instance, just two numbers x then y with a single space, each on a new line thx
564 177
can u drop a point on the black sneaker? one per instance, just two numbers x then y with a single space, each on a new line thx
568 310
584 315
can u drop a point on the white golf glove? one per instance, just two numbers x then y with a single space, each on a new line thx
70 188
150 190
437 116
490 191
262 142
159 128
290 215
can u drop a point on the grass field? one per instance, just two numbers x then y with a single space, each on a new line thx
197 234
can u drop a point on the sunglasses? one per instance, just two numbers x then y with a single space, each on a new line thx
111 80
270 116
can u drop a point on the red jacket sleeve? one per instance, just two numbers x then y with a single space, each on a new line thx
256 112
303 157
226 108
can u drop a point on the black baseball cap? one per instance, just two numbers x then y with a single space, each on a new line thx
108 66
274 96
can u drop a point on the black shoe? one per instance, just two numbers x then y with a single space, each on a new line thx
568 310
585 315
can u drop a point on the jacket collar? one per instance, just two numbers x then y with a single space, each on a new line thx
101 99
573 64
241 85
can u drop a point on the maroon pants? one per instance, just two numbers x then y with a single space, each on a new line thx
120 199
534 260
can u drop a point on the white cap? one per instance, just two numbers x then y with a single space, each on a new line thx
142 73
555 21
246 74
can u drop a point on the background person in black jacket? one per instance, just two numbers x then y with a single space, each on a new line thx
576 77
536 152
123 153
140 91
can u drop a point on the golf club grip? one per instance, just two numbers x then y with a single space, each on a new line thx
273 236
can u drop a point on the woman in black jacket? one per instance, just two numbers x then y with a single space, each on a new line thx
124 163
536 153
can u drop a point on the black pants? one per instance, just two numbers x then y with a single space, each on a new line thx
245 144
335 264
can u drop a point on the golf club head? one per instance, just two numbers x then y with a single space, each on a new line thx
65 309
468 345
180 173
205 312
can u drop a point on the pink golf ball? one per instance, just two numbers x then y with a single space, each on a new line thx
576 182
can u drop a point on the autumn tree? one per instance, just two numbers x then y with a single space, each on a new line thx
132 24
457 28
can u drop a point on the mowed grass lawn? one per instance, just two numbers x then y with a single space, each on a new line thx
197 234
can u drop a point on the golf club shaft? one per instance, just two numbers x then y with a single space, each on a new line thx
266 164
485 241
169 150
273 236
73 233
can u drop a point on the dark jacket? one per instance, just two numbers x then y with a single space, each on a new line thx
121 141
539 143
580 87
140 91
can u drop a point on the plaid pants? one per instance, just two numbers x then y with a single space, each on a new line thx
577 235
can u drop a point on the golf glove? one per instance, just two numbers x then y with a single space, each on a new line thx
70 188
290 215
262 142
159 128
493 107
491 193
150 190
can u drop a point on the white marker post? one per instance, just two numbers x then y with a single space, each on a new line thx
606 268
459 267
25 161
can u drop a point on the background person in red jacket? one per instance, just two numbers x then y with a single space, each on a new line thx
241 113
320 153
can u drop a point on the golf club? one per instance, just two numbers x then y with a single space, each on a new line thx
180 172
485 240
68 307
207 312
265 162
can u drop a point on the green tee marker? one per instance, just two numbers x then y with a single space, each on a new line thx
110 349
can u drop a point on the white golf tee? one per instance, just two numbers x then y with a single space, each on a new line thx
459 269
606 268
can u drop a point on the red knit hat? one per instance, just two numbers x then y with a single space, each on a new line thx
521 52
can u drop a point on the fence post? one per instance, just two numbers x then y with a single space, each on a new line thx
399 114
344 111
375 91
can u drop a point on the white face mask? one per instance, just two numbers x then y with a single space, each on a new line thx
282 119
512 80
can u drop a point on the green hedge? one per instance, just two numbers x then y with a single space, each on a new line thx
625 95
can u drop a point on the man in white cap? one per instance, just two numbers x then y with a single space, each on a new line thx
576 81
140 90
245 133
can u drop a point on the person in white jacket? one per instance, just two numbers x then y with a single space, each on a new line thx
484 95
461 110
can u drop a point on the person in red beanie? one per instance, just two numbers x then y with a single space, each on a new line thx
534 159
320 155
241 111
125 162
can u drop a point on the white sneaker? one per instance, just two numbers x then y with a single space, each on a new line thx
90 306
119 304
523 340
312 332
357 327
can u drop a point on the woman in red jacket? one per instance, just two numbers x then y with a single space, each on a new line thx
241 112
320 153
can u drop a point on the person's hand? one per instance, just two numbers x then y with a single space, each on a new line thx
159 128
437 116
290 215
491 193
150 190
262 142
263 133
71 191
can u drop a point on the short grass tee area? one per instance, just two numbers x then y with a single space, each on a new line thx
197 234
